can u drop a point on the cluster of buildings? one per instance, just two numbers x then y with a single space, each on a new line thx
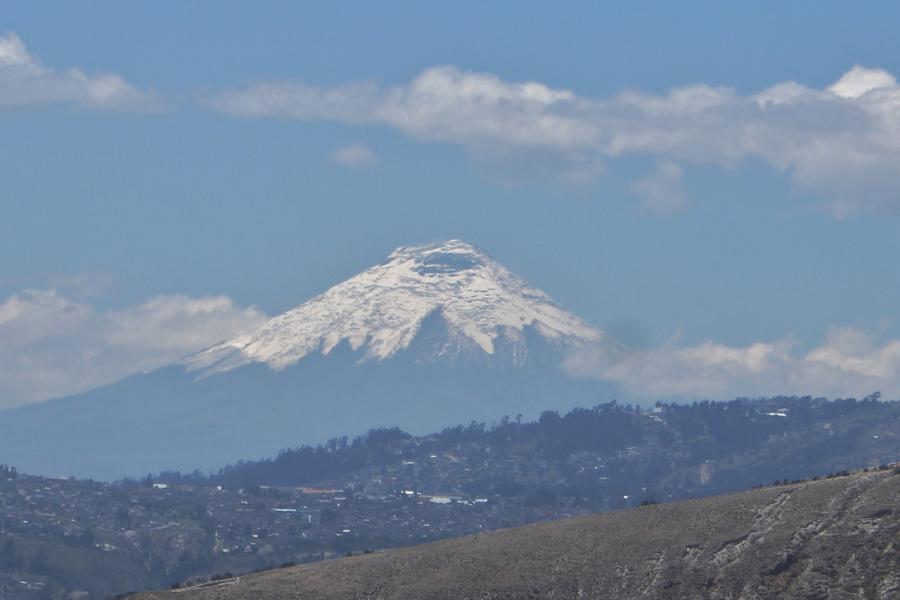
423 490
183 529
190 527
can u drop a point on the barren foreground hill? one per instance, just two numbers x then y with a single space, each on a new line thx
833 538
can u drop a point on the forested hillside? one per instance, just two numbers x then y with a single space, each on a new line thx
744 442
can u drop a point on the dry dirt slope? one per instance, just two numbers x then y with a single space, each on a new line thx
835 538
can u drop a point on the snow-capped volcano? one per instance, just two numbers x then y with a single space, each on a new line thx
381 310
433 337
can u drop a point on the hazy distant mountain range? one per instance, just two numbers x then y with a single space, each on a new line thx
435 335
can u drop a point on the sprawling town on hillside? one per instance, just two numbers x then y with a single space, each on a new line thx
61 538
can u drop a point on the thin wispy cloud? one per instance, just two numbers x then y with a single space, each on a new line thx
357 156
53 345
662 191
483 113
842 142
26 81
849 362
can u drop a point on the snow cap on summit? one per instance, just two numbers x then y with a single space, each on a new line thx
381 310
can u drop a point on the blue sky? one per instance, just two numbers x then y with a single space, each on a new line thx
245 158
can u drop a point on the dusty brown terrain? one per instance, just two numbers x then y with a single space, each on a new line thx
834 538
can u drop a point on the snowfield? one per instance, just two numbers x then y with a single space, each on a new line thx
381 310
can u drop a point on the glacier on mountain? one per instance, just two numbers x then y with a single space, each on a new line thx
381 310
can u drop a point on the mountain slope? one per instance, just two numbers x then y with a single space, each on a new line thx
435 336
381 311
831 538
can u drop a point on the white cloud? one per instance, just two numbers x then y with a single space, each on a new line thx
25 81
354 155
662 192
841 142
442 104
848 363
859 81
51 345
481 112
